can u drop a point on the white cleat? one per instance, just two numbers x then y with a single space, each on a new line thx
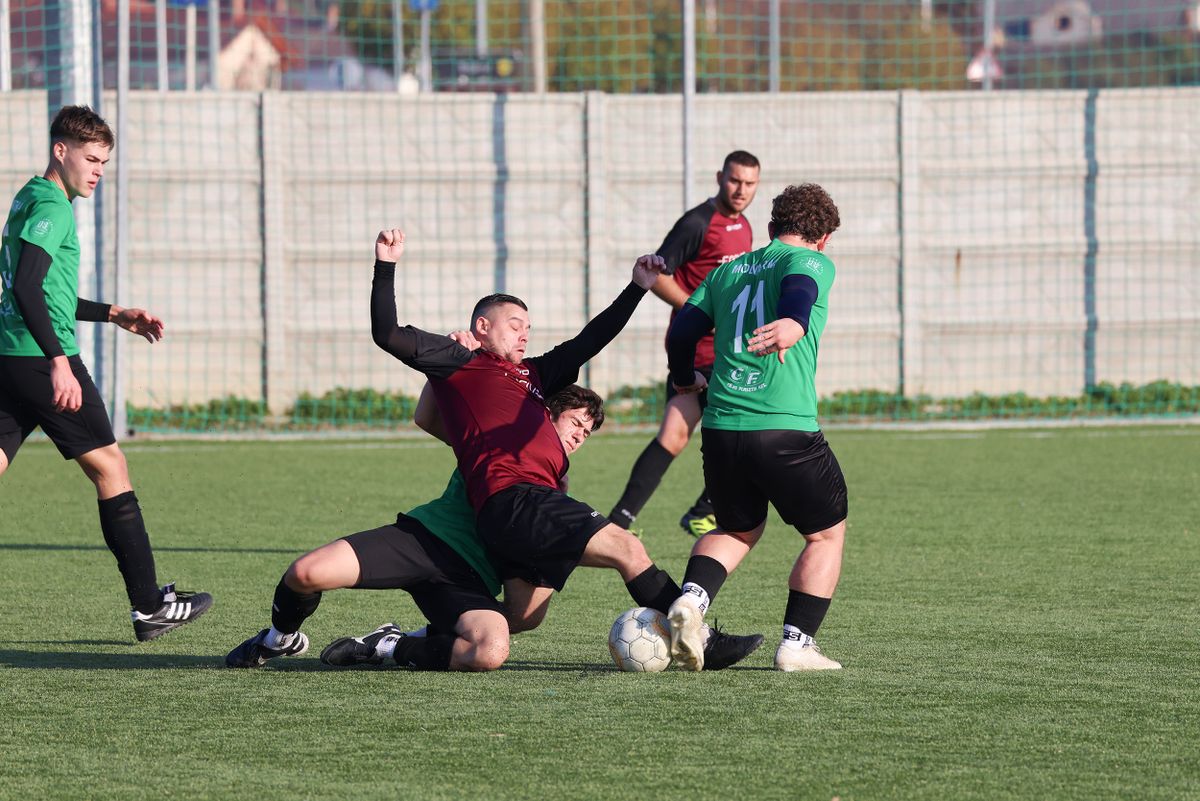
688 634
792 657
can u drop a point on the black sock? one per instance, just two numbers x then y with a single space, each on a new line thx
125 535
647 472
708 573
425 653
653 588
805 611
703 506
292 608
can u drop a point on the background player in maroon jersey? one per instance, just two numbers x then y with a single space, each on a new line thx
705 237
492 407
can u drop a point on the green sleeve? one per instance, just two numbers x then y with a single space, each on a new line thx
47 225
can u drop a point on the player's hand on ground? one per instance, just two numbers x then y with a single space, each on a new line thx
647 269
140 322
701 383
775 337
389 245
66 394
466 339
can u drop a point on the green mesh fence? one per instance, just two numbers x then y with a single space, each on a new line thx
1017 183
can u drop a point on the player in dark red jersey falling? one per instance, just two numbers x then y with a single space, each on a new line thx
493 410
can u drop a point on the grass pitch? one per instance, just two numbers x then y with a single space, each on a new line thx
1018 618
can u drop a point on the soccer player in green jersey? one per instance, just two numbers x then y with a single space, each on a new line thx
761 439
44 383
434 554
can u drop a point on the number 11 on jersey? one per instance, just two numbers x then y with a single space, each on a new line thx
739 308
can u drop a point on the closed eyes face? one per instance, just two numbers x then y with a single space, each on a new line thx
504 331
574 426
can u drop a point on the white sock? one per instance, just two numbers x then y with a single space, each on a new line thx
277 639
386 646
699 595
794 637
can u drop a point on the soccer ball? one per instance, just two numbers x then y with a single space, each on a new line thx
640 641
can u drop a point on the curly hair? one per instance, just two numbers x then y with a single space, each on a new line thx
574 396
806 211
81 125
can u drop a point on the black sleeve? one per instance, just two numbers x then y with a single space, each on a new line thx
560 366
691 325
89 311
684 240
27 290
798 293
435 356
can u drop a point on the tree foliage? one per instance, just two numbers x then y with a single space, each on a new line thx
826 45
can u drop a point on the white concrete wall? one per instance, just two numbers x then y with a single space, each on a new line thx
962 245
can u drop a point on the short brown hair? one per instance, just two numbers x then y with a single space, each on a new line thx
806 211
80 125
740 158
574 396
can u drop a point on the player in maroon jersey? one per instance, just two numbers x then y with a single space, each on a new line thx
711 234
493 411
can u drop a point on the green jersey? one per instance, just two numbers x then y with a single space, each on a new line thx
755 393
40 215
452 520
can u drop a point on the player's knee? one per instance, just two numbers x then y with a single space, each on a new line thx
489 653
631 553
304 575
105 466
674 438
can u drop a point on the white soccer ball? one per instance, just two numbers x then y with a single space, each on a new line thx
640 641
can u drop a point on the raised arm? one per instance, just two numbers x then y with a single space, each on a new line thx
560 366
435 356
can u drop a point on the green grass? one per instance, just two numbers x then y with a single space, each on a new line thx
1017 615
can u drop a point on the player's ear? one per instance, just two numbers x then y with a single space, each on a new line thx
59 150
481 325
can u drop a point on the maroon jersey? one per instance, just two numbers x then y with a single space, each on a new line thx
508 438
494 411
702 240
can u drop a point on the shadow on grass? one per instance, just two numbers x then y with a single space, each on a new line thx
43 546
141 660
65 660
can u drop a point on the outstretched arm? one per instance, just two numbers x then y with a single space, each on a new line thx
137 321
435 356
560 366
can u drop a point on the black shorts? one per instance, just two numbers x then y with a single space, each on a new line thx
26 403
702 396
406 556
795 470
537 534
